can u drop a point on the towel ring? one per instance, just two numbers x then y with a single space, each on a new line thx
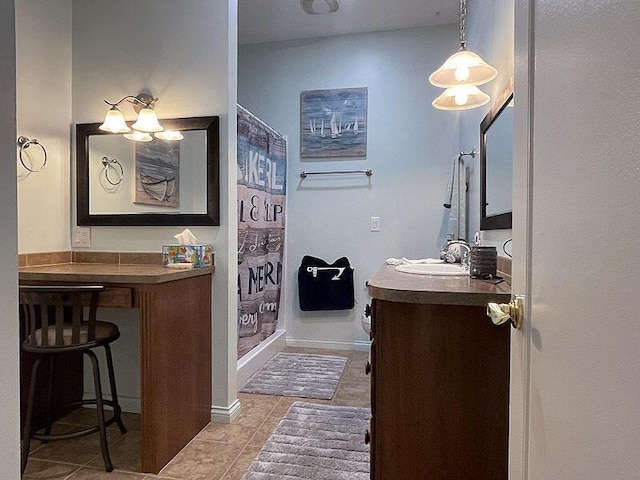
111 163
24 143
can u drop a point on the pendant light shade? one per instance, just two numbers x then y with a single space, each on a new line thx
114 122
463 68
460 74
461 98
147 121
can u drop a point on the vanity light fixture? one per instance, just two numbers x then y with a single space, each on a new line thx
147 121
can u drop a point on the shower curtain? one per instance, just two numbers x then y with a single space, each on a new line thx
262 174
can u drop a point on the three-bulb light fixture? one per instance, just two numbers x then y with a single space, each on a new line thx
461 74
146 123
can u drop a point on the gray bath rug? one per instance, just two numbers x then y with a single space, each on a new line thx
298 375
315 442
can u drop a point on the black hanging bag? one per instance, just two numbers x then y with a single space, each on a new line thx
323 286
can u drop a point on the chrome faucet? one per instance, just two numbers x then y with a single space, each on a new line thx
450 256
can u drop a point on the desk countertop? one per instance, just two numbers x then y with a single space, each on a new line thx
106 273
394 286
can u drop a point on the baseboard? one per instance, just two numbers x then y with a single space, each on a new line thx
256 358
362 345
132 405
225 414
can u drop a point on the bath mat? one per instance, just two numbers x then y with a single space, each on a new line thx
315 442
298 375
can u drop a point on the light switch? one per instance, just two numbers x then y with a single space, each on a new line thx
375 224
81 237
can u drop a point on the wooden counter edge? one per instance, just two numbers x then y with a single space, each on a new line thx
393 286
107 273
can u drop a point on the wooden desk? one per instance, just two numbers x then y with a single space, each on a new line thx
175 344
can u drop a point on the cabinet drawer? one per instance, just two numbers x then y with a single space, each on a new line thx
116 297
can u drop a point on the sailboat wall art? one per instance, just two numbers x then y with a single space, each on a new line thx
157 172
333 123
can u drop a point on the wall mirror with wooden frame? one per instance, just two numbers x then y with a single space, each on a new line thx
159 182
496 160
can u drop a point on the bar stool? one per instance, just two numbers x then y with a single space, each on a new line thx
54 324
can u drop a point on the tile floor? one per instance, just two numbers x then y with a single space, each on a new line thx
218 452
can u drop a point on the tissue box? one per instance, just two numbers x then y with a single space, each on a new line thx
199 255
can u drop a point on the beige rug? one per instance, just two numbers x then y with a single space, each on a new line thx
315 442
298 375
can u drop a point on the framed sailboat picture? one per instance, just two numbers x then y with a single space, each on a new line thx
333 123
157 175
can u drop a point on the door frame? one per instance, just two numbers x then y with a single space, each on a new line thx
520 383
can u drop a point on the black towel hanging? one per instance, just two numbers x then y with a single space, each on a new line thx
323 286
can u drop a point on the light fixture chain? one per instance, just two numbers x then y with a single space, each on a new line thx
463 18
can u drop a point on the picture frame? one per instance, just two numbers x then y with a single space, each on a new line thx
157 173
333 123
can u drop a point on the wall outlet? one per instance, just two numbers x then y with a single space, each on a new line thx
375 224
81 237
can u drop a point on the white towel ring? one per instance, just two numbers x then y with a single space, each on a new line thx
24 143
107 163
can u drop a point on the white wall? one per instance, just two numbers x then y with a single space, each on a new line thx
183 53
489 31
43 46
9 346
409 148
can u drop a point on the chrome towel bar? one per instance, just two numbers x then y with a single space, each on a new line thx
304 174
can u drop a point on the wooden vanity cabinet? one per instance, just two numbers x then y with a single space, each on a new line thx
440 393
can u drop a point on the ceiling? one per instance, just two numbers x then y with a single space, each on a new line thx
276 20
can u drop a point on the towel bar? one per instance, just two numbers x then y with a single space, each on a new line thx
368 172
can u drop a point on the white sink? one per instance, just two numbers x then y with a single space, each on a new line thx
433 269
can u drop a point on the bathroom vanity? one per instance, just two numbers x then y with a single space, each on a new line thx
440 378
175 344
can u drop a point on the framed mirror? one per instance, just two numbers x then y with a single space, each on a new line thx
496 159
159 182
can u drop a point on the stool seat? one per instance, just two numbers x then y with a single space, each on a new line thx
105 332
56 323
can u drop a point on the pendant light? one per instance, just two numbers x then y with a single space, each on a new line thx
461 73
463 67
461 98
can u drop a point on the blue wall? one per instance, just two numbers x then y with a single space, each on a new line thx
409 148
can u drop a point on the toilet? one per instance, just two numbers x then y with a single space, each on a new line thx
365 320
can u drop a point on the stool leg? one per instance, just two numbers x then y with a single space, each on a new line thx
47 430
114 393
100 411
26 434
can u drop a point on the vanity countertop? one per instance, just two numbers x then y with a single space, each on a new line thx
107 273
394 286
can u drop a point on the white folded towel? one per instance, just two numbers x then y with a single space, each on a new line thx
406 261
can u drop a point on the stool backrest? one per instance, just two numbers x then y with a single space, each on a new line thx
54 314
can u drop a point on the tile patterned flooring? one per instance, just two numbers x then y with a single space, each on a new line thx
218 452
